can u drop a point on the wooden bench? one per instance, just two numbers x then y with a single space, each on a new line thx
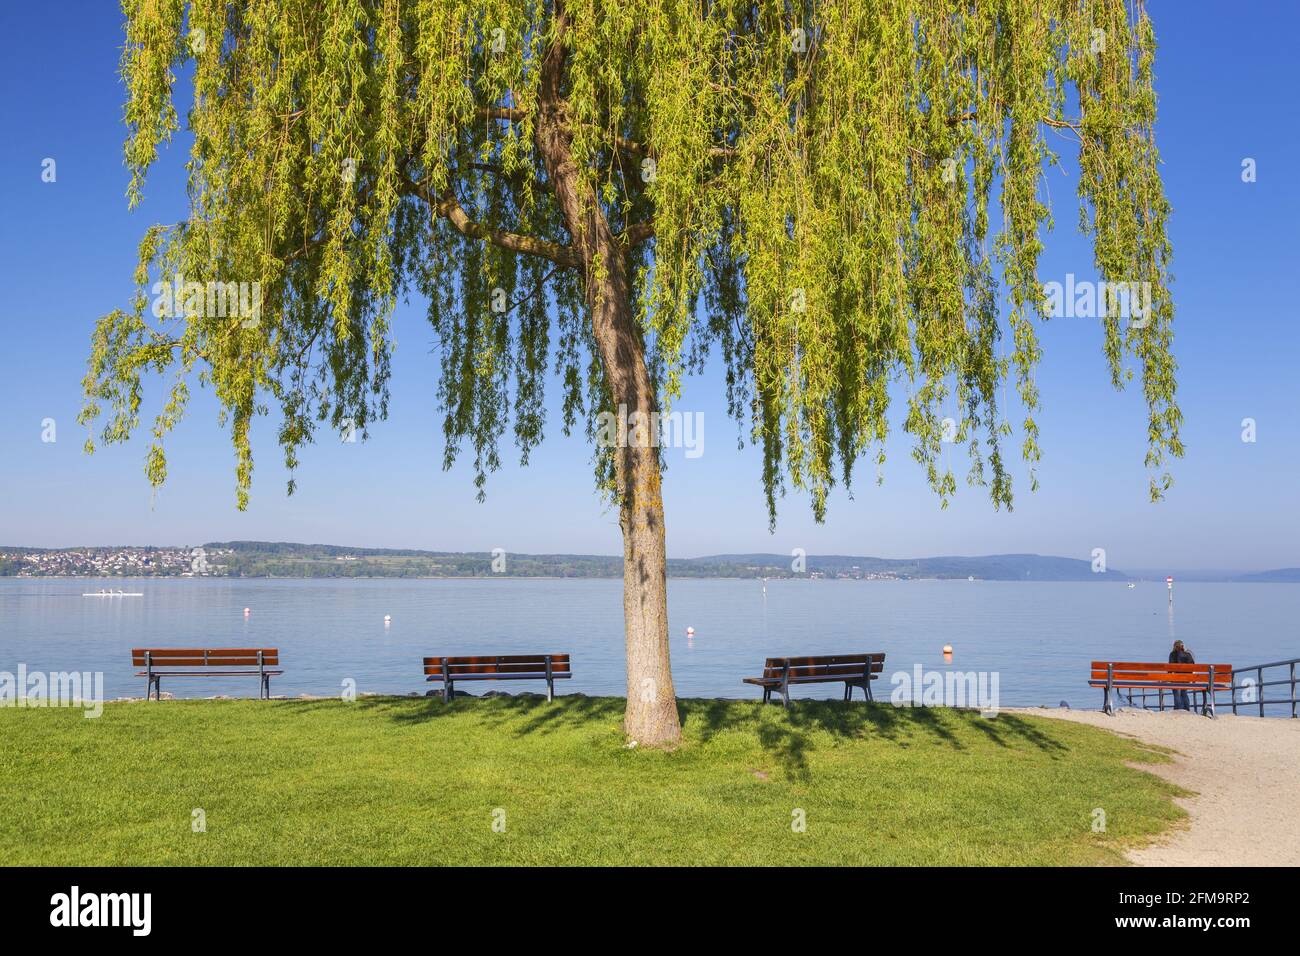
1206 678
209 661
450 670
855 670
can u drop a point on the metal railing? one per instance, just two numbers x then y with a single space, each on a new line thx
1248 690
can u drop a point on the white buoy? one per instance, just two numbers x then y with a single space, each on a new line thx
947 650
690 632
388 619
247 611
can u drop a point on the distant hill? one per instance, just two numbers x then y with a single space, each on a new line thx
993 567
335 561
287 559
283 559
1277 576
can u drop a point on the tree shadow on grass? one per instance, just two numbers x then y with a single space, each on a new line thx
521 716
1006 730
791 733
787 735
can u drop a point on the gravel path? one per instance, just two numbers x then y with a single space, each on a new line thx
1244 772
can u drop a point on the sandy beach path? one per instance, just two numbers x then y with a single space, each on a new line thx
1244 772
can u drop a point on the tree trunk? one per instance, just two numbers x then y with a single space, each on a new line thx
651 717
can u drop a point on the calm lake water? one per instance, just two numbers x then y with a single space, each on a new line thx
1039 637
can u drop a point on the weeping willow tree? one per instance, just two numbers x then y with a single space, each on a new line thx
607 195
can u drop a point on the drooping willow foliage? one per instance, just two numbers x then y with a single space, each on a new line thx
843 199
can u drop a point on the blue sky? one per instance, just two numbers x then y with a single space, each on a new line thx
1226 91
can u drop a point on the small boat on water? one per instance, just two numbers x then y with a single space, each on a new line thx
119 593
1131 585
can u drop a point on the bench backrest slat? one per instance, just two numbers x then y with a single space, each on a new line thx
513 664
1161 672
205 656
828 665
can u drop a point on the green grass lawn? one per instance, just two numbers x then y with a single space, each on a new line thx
392 780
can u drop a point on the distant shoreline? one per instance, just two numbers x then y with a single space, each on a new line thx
96 580
293 561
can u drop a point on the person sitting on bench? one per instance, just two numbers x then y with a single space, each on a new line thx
1181 655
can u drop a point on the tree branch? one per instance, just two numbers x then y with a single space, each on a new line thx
449 208
637 233
960 118
508 113
514 180
642 149
514 114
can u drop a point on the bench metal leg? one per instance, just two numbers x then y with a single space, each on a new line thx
550 691
767 695
447 692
